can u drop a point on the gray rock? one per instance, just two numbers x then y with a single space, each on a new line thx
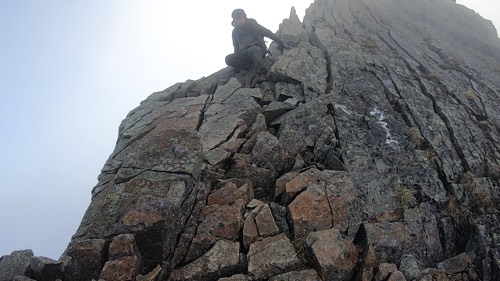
397 276
449 236
325 202
218 222
222 259
291 103
292 31
455 264
284 91
335 257
409 267
124 268
268 152
87 258
307 65
265 222
303 126
385 270
123 245
271 256
45 269
17 263
250 231
273 110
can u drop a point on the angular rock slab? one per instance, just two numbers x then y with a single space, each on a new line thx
259 223
124 268
221 260
250 231
385 270
17 263
334 255
268 152
220 222
265 222
307 65
303 126
123 245
231 111
162 150
45 269
392 241
455 264
325 203
271 256
87 259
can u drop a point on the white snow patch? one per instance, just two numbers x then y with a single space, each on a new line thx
381 117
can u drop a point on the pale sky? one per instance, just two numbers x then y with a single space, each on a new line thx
70 71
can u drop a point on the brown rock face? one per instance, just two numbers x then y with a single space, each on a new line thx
87 259
271 256
221 259
125 268
372 150
325 203
335 257
17 263
124 259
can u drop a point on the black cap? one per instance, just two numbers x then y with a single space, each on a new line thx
238 13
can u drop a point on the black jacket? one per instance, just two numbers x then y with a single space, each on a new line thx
250 34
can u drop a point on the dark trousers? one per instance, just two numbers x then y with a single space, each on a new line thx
245 59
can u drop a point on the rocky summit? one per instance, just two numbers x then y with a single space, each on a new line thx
372 153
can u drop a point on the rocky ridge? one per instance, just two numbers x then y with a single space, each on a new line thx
373 154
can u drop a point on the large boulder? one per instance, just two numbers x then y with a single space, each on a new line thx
221 260
324 203
335 256
17 263
271 256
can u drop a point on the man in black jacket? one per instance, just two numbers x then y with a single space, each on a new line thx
249 46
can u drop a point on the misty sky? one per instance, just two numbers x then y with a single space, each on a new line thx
70 71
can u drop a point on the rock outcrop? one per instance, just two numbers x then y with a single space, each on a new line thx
372 154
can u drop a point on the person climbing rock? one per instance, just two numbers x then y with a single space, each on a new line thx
249 46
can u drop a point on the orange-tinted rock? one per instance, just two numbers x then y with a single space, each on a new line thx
122 246
223 196
397 276
221 260
335 257
265 222
385 270
325 203
125 268
223 222
87 259
271 256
